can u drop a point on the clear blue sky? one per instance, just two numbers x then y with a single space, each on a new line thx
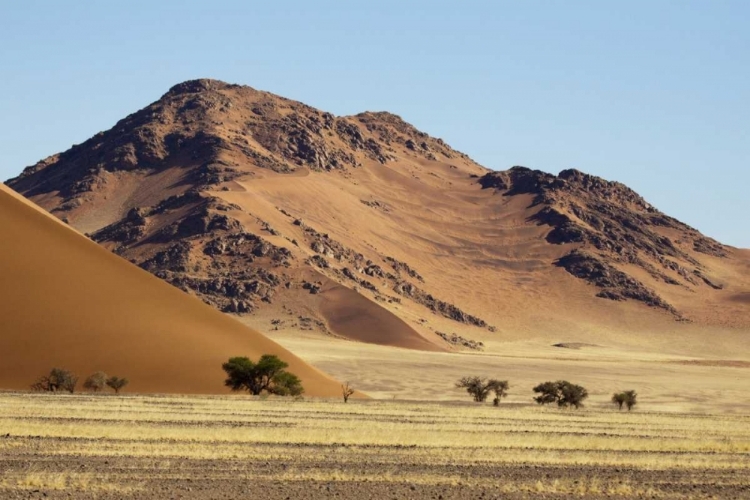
655 94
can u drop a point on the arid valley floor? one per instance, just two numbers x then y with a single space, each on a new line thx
149 447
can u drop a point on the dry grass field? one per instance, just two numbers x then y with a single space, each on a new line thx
86 446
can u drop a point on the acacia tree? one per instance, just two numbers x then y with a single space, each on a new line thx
346 391
57 380
547 393
501 391
268 375
479 388
618 398
627 398
117 383
96 382
630 399
562 392
571 395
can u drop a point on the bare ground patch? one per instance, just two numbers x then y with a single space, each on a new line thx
727 363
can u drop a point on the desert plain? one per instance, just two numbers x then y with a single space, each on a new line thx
143 447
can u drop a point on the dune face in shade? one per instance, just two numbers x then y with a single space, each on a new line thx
67 302
353 316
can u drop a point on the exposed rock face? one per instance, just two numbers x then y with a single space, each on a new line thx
615 284
403 267
441 307
459 341
204 251
237 196
392 130
377 205
128 230
615 225
358 269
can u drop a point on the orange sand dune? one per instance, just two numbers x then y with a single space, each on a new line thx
67 302
353 316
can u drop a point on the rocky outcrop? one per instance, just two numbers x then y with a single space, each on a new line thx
459 341
403 267
298 138
615 284
391 130
710 247
377 205
613 224
438 306
204 250
128 230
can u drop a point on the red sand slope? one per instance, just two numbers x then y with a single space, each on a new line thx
67 302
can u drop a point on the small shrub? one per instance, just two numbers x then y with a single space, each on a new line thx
42 384
618 399
626 398
346 392
501 391
57 380
96 382
116 383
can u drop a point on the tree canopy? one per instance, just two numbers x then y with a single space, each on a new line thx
117 383
57 380
479 388
562 392
96 382
268 374
626 398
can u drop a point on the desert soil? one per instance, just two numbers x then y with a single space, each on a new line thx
144 447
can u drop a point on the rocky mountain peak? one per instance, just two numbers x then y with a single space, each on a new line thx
152 189
199 85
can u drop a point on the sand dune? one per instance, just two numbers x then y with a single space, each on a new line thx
67 302
351 315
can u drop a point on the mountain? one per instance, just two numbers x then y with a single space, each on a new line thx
365 228
66 302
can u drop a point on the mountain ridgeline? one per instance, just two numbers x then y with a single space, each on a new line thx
366 228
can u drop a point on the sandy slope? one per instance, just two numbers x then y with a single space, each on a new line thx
67 302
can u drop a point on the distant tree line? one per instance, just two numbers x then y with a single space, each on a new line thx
268 375
562 393
61 380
